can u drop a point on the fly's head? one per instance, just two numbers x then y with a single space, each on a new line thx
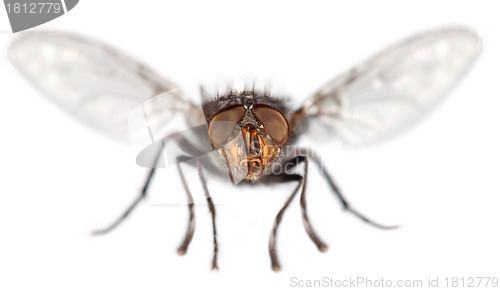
248 130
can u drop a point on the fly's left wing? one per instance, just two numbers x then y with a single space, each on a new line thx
101 85
393 89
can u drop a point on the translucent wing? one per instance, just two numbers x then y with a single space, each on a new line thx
394 88
97 83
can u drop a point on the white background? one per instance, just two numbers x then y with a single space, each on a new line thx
60 179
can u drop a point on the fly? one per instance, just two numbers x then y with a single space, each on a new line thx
247 135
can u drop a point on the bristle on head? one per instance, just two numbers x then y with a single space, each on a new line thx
241 93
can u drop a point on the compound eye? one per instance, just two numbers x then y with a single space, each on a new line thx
223 124
274 123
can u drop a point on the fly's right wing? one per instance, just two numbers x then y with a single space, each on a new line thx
393 89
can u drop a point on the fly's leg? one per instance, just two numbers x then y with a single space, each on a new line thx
301 179
305 219
211 207
134 204
192 221
187 147
272 238
342 199
191 226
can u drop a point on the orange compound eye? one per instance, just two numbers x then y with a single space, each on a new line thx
223 124
274 123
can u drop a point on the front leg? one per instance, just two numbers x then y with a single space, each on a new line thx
301 179
191 226
282 178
